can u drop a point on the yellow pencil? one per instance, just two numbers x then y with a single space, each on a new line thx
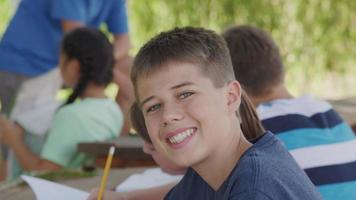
106 172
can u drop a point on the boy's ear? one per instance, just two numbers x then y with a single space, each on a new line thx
234 95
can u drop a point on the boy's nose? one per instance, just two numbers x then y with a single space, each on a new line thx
171 114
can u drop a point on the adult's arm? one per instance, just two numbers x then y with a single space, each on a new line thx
121 46
125 95
117 24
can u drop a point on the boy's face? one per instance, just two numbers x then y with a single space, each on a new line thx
186 116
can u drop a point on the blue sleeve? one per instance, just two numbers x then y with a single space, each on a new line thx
68 10
117 18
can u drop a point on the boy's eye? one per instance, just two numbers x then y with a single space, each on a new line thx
185 95
153 108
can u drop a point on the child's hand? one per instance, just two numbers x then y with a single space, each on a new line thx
10 134
108 195
164 163
148 148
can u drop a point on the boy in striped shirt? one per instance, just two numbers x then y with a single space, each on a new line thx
316 136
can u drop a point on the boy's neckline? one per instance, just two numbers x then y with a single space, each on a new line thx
242 145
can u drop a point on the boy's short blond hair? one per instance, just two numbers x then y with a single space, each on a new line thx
194 45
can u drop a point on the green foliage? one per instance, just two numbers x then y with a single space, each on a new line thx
6 10
319 34
317 37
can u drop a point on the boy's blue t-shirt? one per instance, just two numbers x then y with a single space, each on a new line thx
265 171
31 43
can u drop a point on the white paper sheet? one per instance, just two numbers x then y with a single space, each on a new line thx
45 190
149 178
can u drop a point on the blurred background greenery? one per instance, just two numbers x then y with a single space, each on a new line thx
317 37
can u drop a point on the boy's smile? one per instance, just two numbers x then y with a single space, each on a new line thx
180 105
179 138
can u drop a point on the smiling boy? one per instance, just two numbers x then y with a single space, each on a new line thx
196 114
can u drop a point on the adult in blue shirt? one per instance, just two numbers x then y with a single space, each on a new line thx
30 45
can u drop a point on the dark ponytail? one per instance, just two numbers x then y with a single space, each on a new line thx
94 53
250 124
78 90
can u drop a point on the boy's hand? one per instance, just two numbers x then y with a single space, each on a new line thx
10 134
108 195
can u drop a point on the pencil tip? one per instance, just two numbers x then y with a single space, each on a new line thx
112 150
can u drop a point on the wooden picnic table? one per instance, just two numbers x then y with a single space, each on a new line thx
347 109
128 152
86 184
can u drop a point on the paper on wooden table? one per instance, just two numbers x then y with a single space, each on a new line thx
45 190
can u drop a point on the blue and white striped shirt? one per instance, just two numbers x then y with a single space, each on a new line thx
319 140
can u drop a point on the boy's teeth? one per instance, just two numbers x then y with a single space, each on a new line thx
181 136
